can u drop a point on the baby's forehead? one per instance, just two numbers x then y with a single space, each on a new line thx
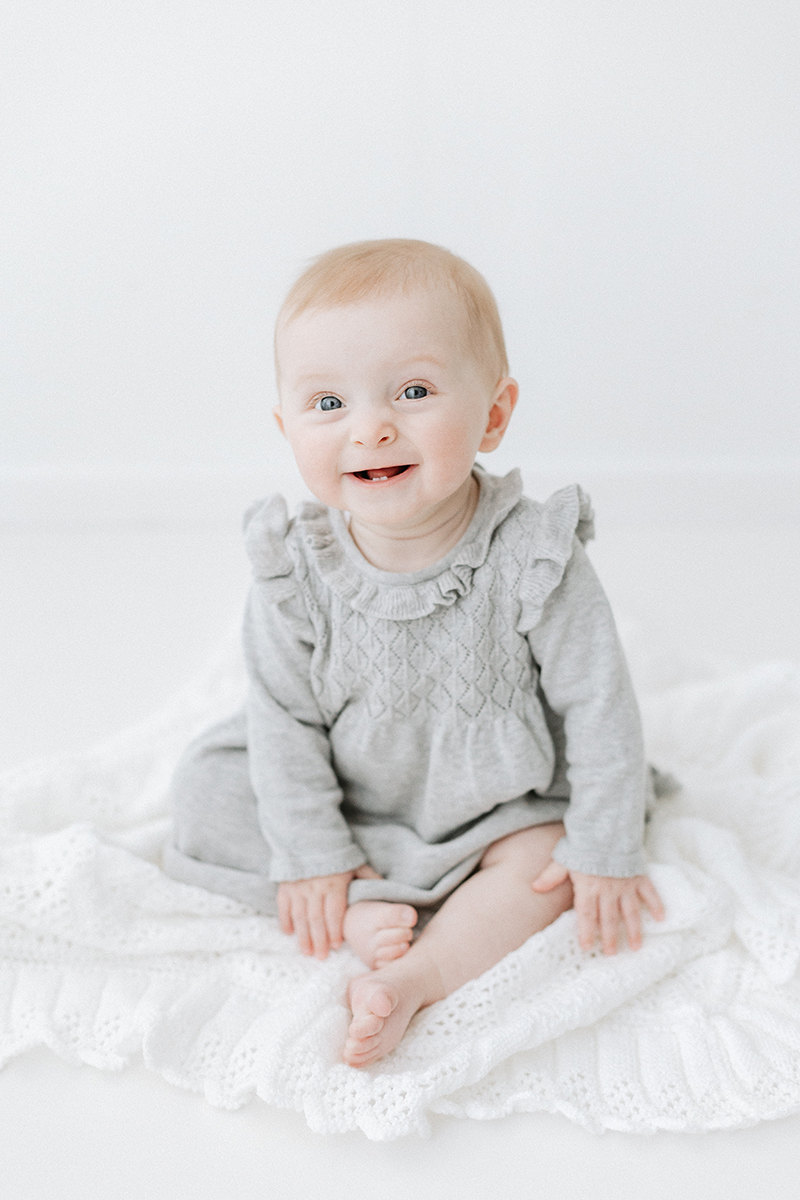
373 337
416 298
421 317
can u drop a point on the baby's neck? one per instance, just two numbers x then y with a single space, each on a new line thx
419 546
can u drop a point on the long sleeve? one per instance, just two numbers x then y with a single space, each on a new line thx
585 681
291 768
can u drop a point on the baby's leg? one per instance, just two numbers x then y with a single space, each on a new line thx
489 915
378 931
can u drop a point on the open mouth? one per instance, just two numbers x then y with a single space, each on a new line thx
378 474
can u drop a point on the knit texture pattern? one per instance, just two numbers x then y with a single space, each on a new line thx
104 959
449 700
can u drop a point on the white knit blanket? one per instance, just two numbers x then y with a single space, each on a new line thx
105 959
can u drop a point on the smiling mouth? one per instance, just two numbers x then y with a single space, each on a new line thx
378 474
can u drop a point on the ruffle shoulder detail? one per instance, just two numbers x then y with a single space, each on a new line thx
404 597
266 527
565 516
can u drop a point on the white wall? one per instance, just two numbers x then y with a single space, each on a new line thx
625 173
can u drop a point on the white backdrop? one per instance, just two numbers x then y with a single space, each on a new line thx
625 173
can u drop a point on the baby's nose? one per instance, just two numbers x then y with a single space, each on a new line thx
373 432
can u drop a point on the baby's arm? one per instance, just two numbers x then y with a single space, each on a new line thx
603 902
585 681
314 909
290 760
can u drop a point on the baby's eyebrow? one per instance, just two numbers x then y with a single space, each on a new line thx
401 368
423 358
310 378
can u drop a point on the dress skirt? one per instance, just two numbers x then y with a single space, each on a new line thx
217 842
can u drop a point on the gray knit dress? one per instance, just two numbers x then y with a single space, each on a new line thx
410 720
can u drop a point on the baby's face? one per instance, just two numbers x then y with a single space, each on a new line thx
384 407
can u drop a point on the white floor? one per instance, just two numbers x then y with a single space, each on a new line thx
96 628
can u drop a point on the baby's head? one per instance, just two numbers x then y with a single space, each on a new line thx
392 374
369 271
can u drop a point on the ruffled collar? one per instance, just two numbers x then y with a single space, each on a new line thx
406 595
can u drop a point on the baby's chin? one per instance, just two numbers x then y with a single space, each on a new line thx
408 502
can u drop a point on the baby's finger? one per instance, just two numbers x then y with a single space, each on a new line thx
651 898
335 908
632 916
586 912
609 923
300 925
285 911
318 929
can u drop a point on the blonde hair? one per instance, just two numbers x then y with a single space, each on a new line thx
361 270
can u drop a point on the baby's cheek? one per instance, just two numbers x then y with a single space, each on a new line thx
319 474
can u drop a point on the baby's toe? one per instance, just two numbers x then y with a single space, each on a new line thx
393 936
359 1058
371 1002
385 954
391 916
357 1047
366 1025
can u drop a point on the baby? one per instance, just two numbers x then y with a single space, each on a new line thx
439 714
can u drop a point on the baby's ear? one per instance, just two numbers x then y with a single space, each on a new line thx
277 414
503 401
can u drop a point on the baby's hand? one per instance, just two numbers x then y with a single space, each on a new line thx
314 909
603 902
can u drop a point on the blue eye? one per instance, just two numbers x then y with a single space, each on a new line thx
415 392
328 403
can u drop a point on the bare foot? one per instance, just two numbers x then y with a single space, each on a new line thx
378 931
381 1013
